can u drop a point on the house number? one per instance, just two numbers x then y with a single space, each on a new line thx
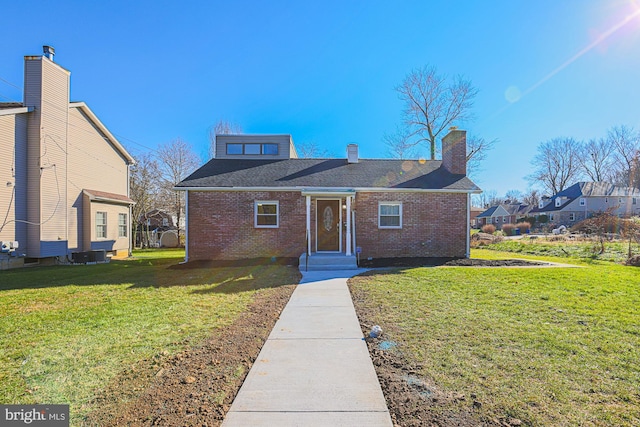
327 218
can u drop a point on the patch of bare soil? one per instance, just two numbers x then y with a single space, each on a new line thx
412 398
197 386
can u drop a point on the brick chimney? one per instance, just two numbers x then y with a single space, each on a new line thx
454 151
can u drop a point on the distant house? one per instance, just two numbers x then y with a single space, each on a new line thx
584 199
65 177
473 216
505 213
257 199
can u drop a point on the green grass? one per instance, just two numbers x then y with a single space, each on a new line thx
614 251
66 331
549 346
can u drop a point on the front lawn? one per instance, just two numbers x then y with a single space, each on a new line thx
547 346
66 331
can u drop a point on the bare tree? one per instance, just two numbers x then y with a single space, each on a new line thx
557 164
531 197
596 158
486 199
144 184
433 104
176 160
477 149
399 144
311 150
223 127
513 196
626 145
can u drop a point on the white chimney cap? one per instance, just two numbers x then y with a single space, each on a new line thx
352 153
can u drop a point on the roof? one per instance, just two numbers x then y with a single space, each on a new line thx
7 108
103 196
509 208
327 174
587 189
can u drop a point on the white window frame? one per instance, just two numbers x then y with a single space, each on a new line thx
572 216
634 201
583 201
102 234
255 213
558 202
606 200
504 219
550 217
620 200
122 228
399 204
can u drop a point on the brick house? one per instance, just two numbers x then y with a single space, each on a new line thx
65 177
504 213
257 199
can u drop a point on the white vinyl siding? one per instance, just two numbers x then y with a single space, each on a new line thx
390 215
266 214
101 225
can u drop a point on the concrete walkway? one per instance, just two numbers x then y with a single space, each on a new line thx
314 369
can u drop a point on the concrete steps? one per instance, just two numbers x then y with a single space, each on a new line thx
328 262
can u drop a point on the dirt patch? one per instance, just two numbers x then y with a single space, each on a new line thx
195 387
412 398
449 262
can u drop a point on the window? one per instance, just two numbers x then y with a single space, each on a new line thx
266 214
550 217
234 148
270 149
496 219
165 222
620 200
504 219
572 216
101 225
252 149
390 215
122 225
558 202
633 201
606 200
583 201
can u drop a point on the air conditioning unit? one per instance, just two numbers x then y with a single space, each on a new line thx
6 247
15 245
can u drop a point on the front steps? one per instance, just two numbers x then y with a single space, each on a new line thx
328 262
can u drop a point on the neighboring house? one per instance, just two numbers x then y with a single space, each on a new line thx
475 211
65 177
584 199
505 213
256 199
156 228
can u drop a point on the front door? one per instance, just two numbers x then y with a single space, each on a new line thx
328 225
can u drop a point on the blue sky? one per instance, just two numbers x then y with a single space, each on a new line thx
325 71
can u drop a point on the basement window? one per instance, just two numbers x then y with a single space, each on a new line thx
266 214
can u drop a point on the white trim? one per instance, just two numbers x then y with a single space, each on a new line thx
16 110
255 213
393 203
339 225
348 237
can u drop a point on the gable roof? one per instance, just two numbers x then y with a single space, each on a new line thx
327 174
587 189
103 196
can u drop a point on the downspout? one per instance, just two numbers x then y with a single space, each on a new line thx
186 227
348 252
468 254
130 224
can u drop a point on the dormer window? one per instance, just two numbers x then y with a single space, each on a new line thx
558 202
583 201
250 149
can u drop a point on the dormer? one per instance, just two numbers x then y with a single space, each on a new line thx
255 147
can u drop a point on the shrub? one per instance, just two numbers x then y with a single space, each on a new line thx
488 228
523 227
509 229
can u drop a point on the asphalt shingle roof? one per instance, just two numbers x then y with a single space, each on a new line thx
327 173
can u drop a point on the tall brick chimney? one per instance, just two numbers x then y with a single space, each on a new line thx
454 151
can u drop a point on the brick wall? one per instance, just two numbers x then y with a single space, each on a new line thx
221 225
433 225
